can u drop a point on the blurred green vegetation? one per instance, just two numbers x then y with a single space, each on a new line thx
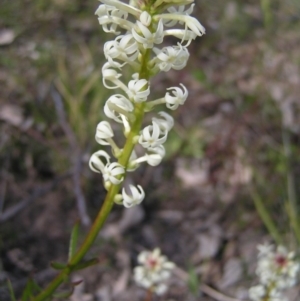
248 57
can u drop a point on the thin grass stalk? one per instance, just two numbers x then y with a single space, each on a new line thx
266 217
291 202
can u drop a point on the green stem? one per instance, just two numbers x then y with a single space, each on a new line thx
109 199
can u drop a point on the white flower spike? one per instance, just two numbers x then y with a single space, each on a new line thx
138 28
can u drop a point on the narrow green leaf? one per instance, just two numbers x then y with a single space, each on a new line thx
193 281
73 241
63 295
58 265
84 264
11 291
30 290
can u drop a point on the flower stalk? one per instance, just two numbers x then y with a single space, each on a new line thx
134 48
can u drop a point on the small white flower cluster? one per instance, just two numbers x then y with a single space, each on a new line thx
154 271
277 270
139 26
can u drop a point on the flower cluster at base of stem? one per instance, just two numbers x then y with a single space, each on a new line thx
154 271
277 270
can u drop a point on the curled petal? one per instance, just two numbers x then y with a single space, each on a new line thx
172 57
113 15
103 132
166 122
190 22
182 34
123 48
138 90
135 197
145 18
109 74
179 11
112 173
153 156
116 106
96 164
144 36
153 135
123 7
176 97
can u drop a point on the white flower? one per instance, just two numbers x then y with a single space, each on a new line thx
190 22
277 266
166 122
172 57
153 136
179 11
144 36
256 293
112 173
153 271
276 270
110 74
110 15
116 106
145 19
153 156
135 197
123 6
178 98
103 132
182 34
138 90
96 164
123 48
